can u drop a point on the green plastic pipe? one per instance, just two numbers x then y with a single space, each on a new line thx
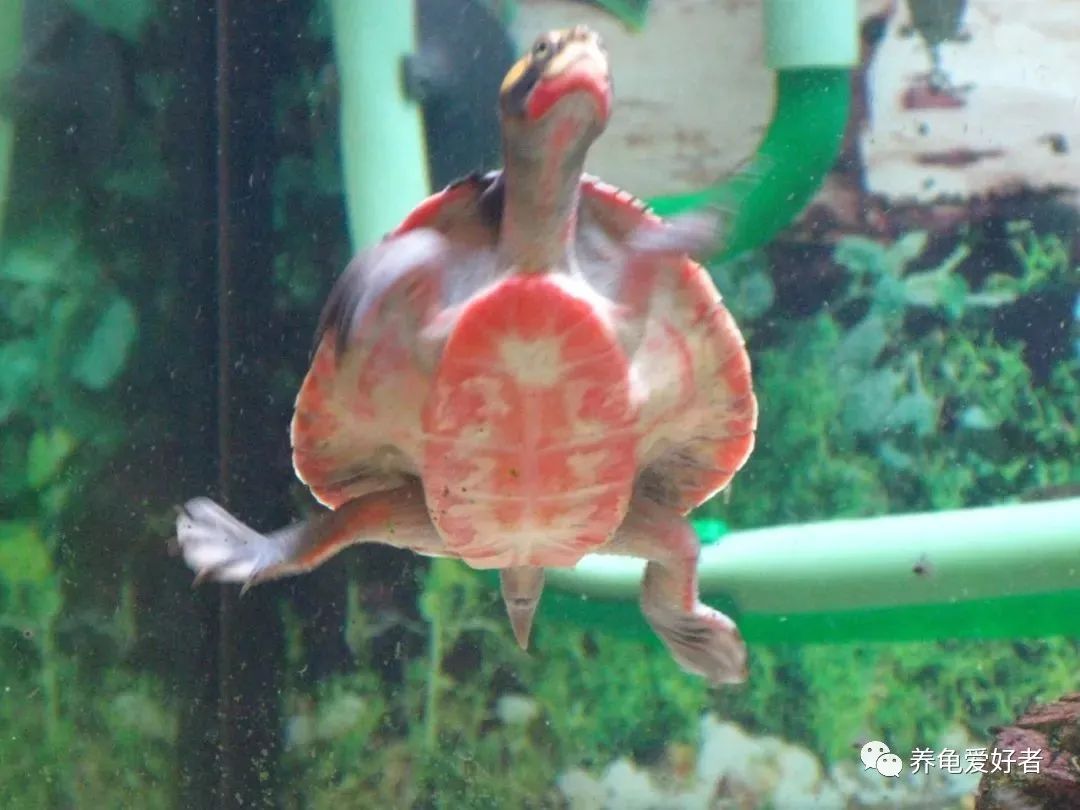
1010 617
811 34
813 45
631 13
382 137
960 555
1003 571
11 14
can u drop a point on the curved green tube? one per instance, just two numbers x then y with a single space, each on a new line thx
1002 571
812 44
382 136
800 146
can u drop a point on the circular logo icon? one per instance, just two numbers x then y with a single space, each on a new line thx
875 755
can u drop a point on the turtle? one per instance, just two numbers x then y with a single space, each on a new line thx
530 368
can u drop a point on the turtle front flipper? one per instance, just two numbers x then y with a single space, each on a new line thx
219 547
696 234
402 269
655 252
356 427
702 640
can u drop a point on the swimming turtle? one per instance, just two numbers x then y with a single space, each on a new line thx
530 368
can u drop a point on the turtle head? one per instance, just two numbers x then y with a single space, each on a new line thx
564 77
553 103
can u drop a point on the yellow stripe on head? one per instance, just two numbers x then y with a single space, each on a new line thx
551 55
515 73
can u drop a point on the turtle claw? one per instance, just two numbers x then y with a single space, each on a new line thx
704 642
219 548
201 577
257 578
212 573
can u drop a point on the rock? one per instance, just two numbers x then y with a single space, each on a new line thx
726 751
1052 729
581 790
734 770
516 710
737 771
622 785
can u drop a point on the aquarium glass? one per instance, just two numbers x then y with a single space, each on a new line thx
894 185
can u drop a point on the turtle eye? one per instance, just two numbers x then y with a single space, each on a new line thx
542 49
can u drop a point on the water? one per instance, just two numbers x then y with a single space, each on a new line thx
168 240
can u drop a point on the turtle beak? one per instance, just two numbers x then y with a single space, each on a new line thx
581 66
561 64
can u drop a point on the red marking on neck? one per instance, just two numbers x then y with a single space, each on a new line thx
548 218
562 137
549 91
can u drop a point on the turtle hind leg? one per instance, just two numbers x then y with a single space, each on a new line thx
221 548
703 641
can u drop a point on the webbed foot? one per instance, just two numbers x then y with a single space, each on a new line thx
704 642
221 548
218 547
